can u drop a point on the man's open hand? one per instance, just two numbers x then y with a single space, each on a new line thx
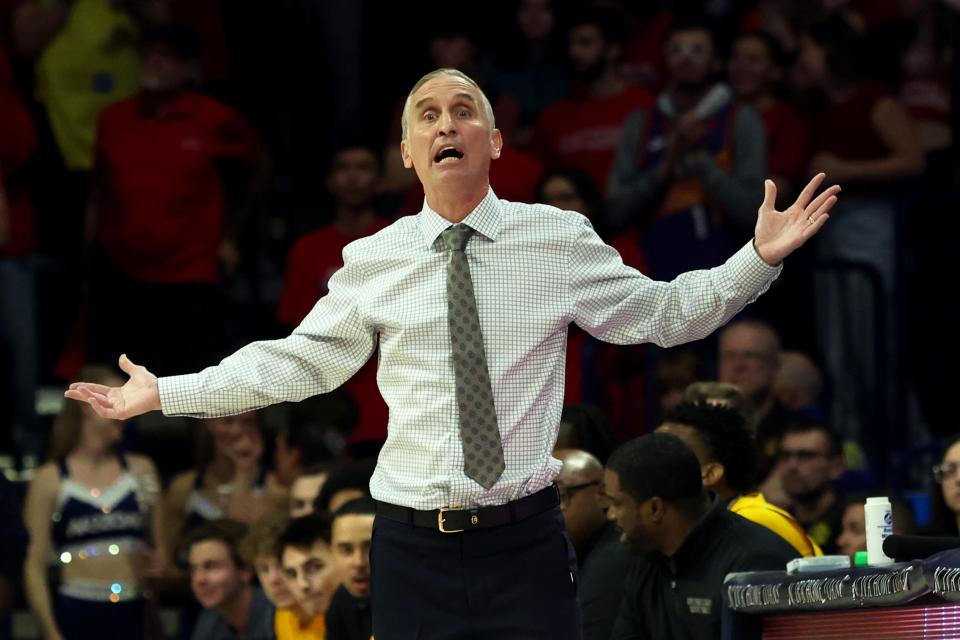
138 395
780 233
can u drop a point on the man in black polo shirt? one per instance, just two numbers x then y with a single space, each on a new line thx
349 616
687 541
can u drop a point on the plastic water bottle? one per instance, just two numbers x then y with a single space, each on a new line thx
878 518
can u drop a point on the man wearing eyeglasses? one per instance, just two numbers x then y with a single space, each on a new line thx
602 561
810 463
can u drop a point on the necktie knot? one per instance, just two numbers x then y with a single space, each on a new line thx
456 236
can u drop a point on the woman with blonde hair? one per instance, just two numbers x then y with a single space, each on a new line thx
89 511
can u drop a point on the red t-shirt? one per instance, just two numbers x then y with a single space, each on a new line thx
787 140
926 94
514 176
162 204
17 143
584 132
845 128
312 260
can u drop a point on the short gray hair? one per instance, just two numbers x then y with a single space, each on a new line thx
456 73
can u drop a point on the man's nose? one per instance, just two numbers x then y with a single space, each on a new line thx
446 123
303 584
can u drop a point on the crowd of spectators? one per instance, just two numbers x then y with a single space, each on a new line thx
206 163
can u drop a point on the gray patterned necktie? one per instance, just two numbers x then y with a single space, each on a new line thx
479 434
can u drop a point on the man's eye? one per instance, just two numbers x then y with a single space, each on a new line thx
429 116
464 113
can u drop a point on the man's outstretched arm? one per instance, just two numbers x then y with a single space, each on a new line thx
618 304
328 347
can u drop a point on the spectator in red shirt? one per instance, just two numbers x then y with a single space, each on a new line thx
583 130
352 181
755 67
167 161
17 303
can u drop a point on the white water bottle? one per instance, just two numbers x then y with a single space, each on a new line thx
878 518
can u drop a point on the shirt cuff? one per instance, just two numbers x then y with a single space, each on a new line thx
752 270
179 395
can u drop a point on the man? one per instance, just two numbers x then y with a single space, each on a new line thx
258 549
748 356
351 180
349 481
306 488
175 173
718 394
307 564
582 131
799 383
853 534
307 437
221 581
689 542
585 427
349 616
811 461
479 450
727 453
601 559
690 166
756 66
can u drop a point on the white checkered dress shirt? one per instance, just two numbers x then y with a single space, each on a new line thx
535 270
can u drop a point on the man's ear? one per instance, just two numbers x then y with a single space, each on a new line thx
496 143
656 509
712 473
405 154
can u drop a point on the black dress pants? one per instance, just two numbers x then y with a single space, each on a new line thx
514 582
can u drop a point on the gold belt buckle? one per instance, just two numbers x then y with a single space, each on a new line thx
441 521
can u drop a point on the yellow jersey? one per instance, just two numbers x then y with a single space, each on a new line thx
287 625
754 507
92 62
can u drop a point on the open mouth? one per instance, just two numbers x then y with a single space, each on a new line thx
448 155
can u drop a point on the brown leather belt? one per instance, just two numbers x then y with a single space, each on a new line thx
455 520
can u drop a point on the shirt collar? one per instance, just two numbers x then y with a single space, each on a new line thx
695 542
484 219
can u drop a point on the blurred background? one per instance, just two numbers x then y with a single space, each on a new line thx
178 178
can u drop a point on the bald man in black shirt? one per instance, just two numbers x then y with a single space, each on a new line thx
686 542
